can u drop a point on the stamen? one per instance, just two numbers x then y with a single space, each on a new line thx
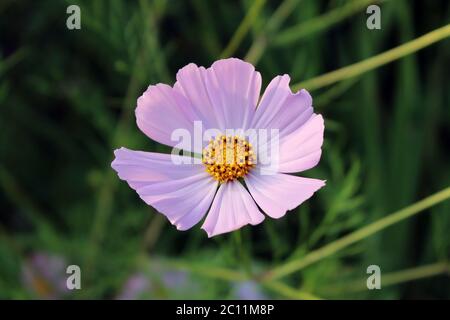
228 158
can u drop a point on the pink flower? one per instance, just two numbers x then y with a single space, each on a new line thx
248 290
223 97
45 275
159 281
136 286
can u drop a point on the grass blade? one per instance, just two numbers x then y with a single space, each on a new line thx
243 28
374 62
330 249
394 278
321 23
289 292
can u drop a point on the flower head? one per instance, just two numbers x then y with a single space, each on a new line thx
44 275
245 142
135 287
248 290
158 281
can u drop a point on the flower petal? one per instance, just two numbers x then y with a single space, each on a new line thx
225 94
183 192
277 193
301 150
191 84
161 110
233 207
281 109
300 130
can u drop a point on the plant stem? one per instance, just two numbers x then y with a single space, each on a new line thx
243 28
289 292
335 246
320 23
393 278
334 92
153 231
414 273
10 61
242 252
374 62
259 45
210 271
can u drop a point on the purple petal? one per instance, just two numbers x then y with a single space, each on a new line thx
249 290
277 193
225 94
135 287
161 110
45 274
191 84
174 279
183 192
281 109
301 150
233 207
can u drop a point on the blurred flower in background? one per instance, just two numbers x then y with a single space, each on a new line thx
44 275
136 286
157 282
161 281
248 290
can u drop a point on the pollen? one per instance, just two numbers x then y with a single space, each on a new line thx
227 158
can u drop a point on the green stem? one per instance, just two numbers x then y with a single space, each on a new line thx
210 271
19 197
330 249
335 91
153 232
12 60
320 23
414 274
374 62
242 252
259 45
395 278
289 292
243 28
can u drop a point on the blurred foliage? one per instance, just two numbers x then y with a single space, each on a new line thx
67 100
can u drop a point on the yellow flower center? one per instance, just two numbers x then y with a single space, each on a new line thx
228 158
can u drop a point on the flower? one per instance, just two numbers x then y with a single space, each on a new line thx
158 281
45 275
135 286
248 290
224 98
